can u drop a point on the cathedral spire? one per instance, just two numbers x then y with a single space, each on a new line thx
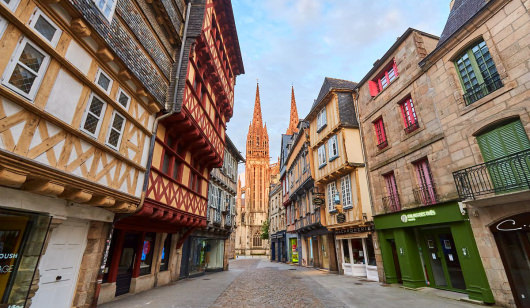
293 120
256 120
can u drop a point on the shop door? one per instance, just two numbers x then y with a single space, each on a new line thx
125 267
294 250
316 255
59 266
395 258
444 265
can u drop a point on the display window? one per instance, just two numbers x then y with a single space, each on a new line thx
198 258
146 259
22 236
164 257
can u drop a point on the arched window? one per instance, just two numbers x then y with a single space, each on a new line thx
256 239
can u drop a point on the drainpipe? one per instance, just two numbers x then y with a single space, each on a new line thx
148 168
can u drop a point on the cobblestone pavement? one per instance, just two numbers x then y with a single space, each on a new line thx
260 283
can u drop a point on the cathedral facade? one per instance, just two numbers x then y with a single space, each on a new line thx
252 198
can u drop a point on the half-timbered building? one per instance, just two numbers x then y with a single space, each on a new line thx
80 86
189 143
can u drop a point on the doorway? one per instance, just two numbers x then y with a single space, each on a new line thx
395 258
126 264
443 267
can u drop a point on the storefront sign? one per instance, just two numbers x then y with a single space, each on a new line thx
511 225
341 218
355 230
413 216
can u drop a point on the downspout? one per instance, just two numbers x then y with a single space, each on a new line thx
148 167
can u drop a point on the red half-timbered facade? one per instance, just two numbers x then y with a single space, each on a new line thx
189 142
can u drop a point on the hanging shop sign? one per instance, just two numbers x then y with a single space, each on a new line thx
355 230
341 218
413 216
318 201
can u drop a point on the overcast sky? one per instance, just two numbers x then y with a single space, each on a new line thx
300 42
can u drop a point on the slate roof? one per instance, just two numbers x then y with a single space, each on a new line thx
332 83
461 13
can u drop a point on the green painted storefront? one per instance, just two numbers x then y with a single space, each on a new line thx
432 246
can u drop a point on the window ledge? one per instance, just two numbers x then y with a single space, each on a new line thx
333 211
349 207
508 85
379 151
321 128
333 158
322 166
412 133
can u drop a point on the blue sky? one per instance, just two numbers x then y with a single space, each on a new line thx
300 42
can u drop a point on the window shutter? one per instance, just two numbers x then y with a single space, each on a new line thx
395 67
502 141
373 88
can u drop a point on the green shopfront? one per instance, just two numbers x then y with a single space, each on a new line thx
432 246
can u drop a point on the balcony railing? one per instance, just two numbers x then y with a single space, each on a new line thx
426 194
308 220
412 127
507 174
391 203
480 90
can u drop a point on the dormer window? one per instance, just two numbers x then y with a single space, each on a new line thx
383 79
106 7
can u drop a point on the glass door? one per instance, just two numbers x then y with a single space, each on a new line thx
126 264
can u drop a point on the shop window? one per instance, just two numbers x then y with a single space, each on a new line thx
164 257
45 27
106 7
146 259
26 69
370 252
93 115
333 148
346 251
103 81
410 120
116 128
478 73
380 134
22 236
321 119
384 79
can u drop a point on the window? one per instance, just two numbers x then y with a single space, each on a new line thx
425 193
172 159
93 115
321 119
256 239
333 148
106 7
409 115
103 81
332 191
26 69
164 258
195 178
11 4
384 79
345 185
391 202
322 156
380 133
45 27
477 72
147 254
123 99
116 130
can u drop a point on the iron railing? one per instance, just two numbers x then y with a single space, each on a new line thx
480 90
425 194
391 203
412 127
506 174
308 219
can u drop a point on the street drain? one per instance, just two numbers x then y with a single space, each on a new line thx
292 269
358 283
206 279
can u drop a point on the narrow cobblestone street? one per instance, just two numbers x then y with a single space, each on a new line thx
260 283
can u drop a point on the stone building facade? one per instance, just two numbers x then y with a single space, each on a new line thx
486 124
253 211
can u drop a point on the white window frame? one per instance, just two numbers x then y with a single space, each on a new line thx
121 91
100 120
333 141
99 73
113 9
331 189
33 20
11 6
346 189
13 63
3 25
322 161
321 119
111 128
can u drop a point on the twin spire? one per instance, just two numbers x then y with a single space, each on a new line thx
293 119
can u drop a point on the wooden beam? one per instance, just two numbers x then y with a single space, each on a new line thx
102 201
44 187
76 195
80 28
11 179
105 55
153 107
